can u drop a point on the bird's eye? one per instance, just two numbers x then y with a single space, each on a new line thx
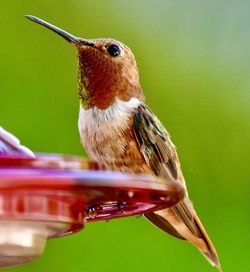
113 50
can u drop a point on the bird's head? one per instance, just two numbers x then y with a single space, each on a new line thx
106 69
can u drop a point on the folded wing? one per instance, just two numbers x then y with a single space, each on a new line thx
160 154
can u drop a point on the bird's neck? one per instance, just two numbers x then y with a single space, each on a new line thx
110 122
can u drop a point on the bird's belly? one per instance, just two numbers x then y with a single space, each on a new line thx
117 154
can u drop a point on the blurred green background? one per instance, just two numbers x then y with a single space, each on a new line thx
194 60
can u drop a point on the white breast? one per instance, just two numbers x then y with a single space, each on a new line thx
111 122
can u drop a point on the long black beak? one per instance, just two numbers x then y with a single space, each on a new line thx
67 36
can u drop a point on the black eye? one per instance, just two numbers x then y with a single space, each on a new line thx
114 50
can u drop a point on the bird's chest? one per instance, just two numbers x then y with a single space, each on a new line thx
108 138
105 133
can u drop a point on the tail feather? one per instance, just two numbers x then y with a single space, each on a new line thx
182 222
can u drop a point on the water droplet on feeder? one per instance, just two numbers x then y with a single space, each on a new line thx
130 194
165 198
121 206
92 213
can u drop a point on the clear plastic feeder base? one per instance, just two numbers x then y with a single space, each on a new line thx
52 196
21 242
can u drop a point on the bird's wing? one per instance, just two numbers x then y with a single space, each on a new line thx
10 145
161 156
155 145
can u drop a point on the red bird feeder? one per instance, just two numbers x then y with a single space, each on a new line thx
48 196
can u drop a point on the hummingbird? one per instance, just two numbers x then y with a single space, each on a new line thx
118 129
